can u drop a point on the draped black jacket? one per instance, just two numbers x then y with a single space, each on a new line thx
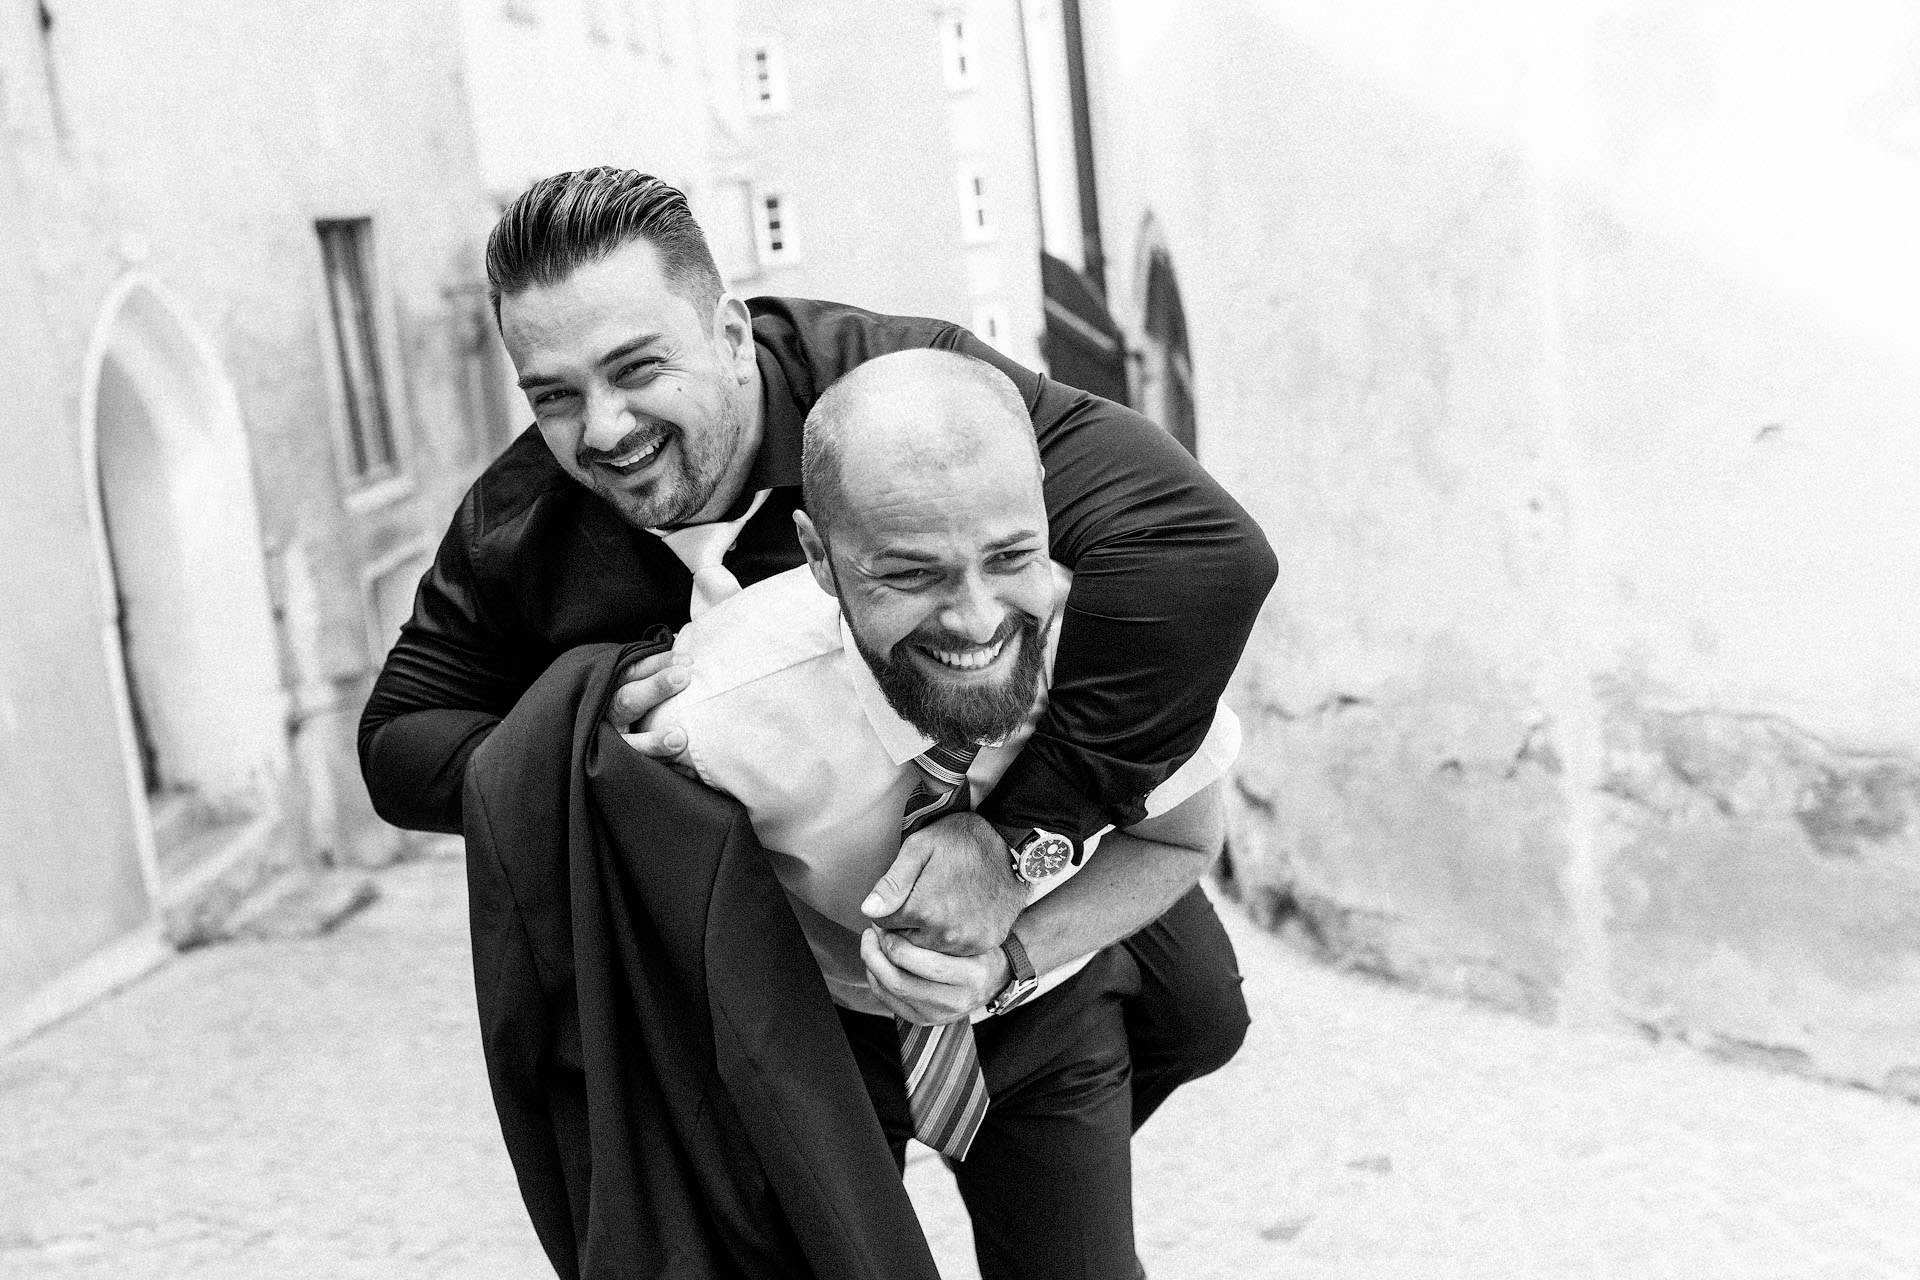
1169 575
675 1090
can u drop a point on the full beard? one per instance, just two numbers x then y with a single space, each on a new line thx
969 713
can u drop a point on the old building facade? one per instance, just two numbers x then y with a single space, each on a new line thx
1568 355
246 393
888 162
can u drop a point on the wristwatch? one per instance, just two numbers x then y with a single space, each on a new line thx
1021 980
1039 856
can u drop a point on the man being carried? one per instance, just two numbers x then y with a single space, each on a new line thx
839 724
665 469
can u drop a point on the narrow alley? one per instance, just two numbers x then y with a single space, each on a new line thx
318 1109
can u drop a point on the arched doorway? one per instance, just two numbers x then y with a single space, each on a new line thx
188 632
1165 365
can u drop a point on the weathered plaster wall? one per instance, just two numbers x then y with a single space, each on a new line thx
69 877
194 148
565 85
1570 355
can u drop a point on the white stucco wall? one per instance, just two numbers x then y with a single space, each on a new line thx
869 150
1569 354
193 149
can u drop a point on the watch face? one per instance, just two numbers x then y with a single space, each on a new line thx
1044 856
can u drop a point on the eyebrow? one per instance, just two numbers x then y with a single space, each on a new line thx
919 557
1013 538
625 349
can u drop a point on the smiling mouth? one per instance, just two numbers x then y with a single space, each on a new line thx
634 459
972 658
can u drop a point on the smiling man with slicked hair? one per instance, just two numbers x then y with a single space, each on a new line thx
663 470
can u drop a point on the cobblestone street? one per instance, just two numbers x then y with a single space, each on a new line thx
318 1109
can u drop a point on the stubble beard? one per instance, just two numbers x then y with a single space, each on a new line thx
957 714
679 495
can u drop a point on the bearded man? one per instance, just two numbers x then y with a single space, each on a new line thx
898 674
663 470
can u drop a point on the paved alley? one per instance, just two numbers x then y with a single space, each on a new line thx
318 1109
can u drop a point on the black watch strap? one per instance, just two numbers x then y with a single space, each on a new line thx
1021 979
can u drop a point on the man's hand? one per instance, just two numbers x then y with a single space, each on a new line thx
928 987
951 889
644 685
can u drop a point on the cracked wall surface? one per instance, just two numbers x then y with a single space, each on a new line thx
1569 361
1765 891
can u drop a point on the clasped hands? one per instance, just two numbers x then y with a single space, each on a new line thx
940 912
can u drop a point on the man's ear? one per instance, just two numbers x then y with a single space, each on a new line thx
733 325
815 548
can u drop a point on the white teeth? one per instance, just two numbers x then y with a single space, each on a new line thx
969 659
637 454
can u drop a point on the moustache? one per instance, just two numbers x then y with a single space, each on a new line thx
634 439
934 636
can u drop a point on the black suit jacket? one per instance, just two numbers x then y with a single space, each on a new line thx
674 1087
1169 575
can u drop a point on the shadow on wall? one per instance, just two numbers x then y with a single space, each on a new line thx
1580 693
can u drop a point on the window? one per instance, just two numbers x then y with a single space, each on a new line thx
976 213
956 52
766 79
773 226
521 10
344 254
636 32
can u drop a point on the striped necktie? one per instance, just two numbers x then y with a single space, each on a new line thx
946 1091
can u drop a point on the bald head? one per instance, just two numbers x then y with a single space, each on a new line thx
916 413
927 521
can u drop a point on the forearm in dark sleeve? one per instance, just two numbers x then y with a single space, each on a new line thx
1169 576
447 682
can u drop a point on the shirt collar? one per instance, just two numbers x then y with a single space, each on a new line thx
901 741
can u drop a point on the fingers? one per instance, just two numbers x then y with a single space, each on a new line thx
644 685
661 744
966 939
907 995
922 962
891 890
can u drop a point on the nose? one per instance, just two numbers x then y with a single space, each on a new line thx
608 420
973 611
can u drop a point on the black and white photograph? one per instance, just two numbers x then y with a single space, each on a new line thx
960 640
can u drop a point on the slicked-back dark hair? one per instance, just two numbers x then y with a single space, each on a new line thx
562 223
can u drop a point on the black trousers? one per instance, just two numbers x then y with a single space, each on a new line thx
1048 1183
1189 1016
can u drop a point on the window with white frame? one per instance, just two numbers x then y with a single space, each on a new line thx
773 229
976 211
766 72
346 258
956 51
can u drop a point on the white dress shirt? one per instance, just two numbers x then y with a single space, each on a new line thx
782 713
